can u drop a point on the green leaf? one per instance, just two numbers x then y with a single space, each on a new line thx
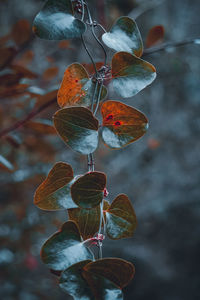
124 36
78 128
54 192
122 124
87 220
5 164
120 218
77 88
87 191
56 21
118 271
64 248
72 282
131 74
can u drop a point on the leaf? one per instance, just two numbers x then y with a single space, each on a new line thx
120 218
124 36
21 32
118 271
41 126
78 128
50 73
155 36
5 164
54 192
72 282
90 67
56 21
83 285
87 191
87 220
64 248
122 124
76 88
6 56
24 72
131 74
13 91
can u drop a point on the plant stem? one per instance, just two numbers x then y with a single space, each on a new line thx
164 46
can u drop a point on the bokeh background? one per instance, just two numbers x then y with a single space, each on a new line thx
160 172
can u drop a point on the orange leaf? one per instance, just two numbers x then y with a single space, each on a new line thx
21 32
155 36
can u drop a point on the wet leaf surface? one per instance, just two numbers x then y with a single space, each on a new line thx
124 36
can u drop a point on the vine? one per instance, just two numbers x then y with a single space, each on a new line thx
70 253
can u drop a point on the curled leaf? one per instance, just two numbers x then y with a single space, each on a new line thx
131 74
56 21
122 124
124 36
54 192
64 248
77 88
87 191
120 218
78 128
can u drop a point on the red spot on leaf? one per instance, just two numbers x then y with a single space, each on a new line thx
76 80
109 117
117 123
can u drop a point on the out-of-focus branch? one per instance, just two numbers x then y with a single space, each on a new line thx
165 46
31 115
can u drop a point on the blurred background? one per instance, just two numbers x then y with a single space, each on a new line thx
160 172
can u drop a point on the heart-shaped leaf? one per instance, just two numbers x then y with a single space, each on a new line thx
124 36
83 285
72 282
77 88
155 36
118 271
87 191
54 192
122 124
64 248
78 128
87 219
120 218
131 74
56 21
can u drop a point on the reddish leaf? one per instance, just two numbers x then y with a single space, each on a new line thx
41 126
13 91
155 36
21 32
24 72
54 192
50 73
76 88
90 67
64 44
6 56
118 271
122 124
87 191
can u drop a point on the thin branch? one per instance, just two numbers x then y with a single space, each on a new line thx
165 46
30 116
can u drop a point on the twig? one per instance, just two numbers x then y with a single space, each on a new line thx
165 46
31 115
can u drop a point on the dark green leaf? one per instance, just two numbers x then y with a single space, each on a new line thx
76 88
120 218
118 271
64 248
54 192
131 74
124 36
122 124
78 128
56 21
87 191
87 219
72 282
